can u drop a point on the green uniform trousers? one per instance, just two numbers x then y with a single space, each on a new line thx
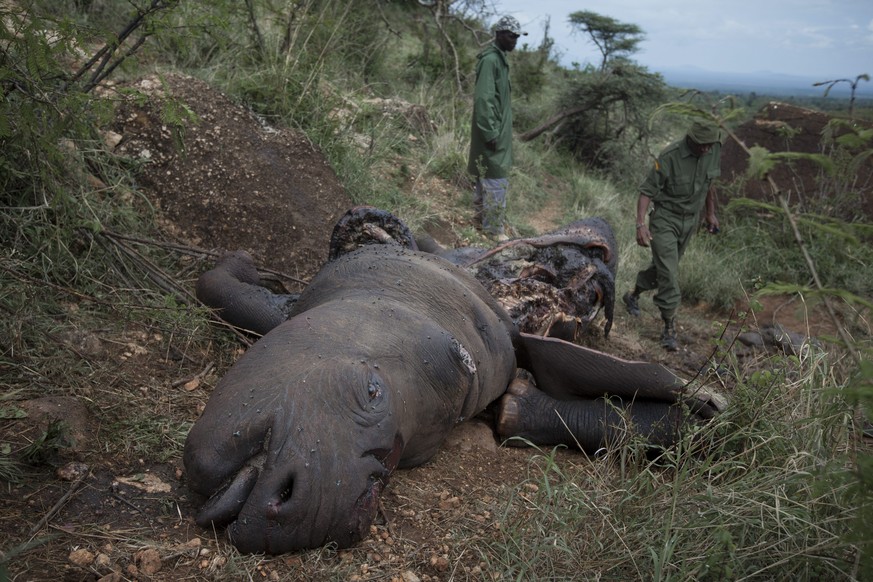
670 235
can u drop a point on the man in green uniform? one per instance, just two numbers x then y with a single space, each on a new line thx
491 131
680 186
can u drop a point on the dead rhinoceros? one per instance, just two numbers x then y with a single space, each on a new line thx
384 352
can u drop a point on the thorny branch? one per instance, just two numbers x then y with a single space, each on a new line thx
106 53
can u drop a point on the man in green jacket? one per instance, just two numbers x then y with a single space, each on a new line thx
491 132
680 186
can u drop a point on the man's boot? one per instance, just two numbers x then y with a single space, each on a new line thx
668 336
631 302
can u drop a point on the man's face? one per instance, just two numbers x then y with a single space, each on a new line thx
506 40
699 149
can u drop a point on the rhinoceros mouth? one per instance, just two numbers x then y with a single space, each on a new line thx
367 505
388 459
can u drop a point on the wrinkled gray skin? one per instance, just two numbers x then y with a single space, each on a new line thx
384 352
387 350
233 287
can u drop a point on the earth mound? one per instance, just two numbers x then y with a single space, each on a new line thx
781 127
230 181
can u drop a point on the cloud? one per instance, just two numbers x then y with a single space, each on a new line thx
811 37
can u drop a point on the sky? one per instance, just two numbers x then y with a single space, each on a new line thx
824 39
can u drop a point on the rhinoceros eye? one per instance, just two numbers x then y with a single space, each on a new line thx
374 389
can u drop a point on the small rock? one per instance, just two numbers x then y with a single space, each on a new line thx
450 503
81 557
409 576
72 471
149 561
440 563
111 139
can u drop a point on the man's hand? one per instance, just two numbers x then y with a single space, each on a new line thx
712 224
644 237
491 145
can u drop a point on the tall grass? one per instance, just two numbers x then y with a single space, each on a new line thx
761 493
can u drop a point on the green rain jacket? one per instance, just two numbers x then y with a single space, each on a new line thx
492 116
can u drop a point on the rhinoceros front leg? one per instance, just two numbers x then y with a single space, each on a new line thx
233 287
568 371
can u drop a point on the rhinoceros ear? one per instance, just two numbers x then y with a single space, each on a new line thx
566 371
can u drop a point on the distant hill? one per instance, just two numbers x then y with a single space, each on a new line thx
762 82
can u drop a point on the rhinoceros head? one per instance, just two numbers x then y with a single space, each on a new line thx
295 445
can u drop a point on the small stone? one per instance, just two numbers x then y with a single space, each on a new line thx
192 544
81 557
111 139
72 471
439 563
450 503
149 561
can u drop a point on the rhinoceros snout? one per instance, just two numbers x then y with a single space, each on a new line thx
291 505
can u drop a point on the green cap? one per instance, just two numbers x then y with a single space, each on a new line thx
704 132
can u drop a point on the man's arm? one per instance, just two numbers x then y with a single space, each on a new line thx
644 237
485 102
711 219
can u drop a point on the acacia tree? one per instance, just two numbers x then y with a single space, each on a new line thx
603 111
612 38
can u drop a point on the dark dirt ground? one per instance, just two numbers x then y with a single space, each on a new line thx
97 516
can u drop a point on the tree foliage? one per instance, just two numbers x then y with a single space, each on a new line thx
613 107
45 85
602 112
614 39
